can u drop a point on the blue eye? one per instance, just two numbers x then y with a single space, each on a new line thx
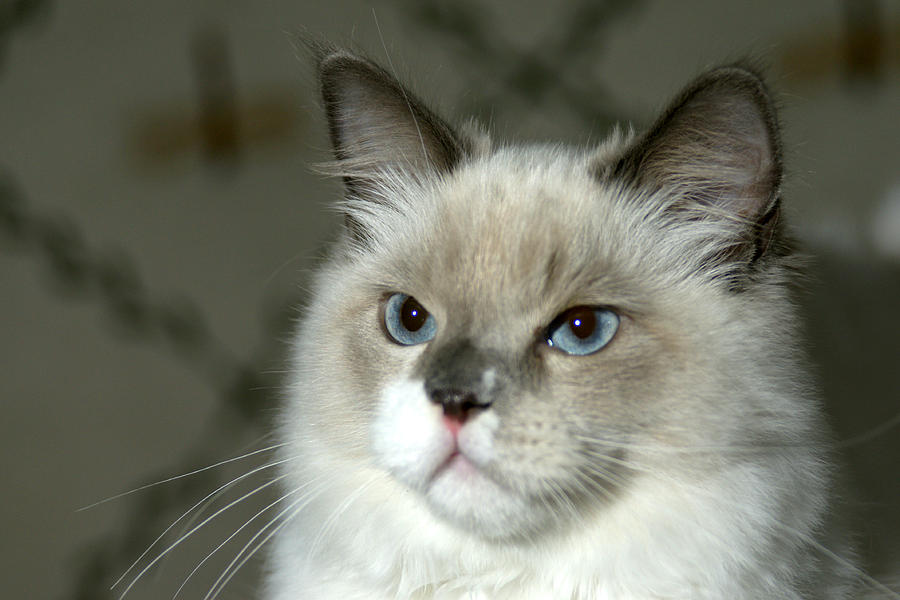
582 330
407 321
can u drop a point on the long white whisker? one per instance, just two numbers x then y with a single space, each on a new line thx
231 537
176 477
212 494
255 549
562 499
606 458
837 558
591 483
200 511
242 556
209 501
186 513
191 532
592 474
871 434
689 449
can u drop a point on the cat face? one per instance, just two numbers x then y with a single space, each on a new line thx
514 336
496 428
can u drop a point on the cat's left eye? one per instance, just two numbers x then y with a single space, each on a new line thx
407 322
582 330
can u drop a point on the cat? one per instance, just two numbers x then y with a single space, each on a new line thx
539 372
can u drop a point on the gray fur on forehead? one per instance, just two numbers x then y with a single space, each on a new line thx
518 213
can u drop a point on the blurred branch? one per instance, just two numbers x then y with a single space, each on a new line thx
112 279
863 40
531 74
15 14
861 53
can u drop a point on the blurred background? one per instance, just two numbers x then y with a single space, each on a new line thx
159 220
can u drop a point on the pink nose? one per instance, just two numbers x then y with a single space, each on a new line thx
454 424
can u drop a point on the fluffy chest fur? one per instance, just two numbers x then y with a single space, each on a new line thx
547 373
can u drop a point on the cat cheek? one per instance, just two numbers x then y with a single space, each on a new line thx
406 433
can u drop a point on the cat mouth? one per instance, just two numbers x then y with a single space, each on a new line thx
457 464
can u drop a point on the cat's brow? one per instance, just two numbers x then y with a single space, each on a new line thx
551 271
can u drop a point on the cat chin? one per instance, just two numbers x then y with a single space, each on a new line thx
464 497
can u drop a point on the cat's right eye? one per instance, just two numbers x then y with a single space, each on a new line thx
407 322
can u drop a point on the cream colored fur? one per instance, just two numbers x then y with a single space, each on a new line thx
686 460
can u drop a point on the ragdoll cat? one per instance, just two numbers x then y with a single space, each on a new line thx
545 373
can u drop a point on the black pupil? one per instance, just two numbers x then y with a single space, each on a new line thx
582 322
412 315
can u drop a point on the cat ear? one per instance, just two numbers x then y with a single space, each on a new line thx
717 148
378 126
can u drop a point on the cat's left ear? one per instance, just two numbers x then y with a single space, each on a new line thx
717 148
377 125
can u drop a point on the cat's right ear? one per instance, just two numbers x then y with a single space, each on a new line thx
378 127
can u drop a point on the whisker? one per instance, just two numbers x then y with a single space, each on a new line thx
177 477
182 538
199 512
209 500
615 478
254 550
234 566
230 537
595 472
563 499
545 501
605 457
871 434
591 487
665 447
837 558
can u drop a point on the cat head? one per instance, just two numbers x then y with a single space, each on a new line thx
518 334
